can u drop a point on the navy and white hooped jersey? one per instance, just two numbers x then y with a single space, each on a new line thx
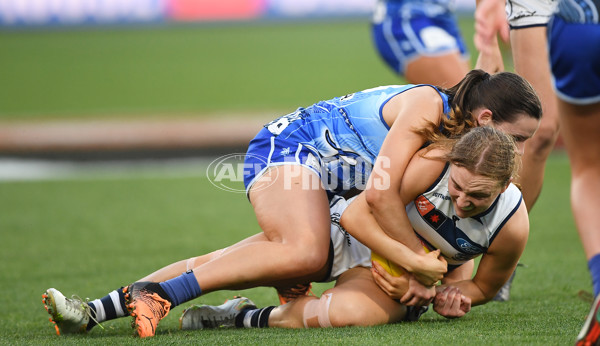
339 139
433 218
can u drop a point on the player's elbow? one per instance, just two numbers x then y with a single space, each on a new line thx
487 295
375 199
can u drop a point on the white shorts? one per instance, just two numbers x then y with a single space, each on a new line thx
348 252
528 13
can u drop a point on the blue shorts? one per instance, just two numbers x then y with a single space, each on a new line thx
404 31
267 150
574 50
337 177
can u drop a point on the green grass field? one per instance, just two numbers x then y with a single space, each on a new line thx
90 236
195 70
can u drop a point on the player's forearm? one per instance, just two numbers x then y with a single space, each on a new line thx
367 231
389 213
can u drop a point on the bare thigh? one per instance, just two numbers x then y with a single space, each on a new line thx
445 70
292 209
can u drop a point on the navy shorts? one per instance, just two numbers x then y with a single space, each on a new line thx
575 60
407 30
337 174
267 150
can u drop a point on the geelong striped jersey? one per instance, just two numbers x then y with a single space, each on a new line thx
433 218
435 223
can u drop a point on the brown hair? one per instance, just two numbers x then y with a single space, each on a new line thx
505 94
485 151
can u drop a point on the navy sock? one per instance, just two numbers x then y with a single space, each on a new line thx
594 265
254 318
108 308
182 288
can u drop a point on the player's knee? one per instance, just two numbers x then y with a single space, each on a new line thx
302 258
345 311
544 139
350 314
310 254
312 262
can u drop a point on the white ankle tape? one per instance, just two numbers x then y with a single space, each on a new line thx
316 312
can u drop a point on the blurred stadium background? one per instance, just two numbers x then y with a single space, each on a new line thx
106 79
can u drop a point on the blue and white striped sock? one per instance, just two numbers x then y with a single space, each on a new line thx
108 308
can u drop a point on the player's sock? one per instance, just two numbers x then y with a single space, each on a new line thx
108 308
181 288
254 318
594 265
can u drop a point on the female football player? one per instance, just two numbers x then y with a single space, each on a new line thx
574 44
420 40
463 205
300 161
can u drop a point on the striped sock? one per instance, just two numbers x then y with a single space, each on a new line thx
254 318
108 308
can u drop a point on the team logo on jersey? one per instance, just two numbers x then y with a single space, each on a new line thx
433 217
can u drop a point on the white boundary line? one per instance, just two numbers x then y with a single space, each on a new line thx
15 170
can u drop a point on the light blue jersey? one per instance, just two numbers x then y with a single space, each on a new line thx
339 139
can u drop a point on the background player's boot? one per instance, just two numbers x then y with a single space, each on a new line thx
504 294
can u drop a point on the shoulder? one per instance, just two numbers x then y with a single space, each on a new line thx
421 92
425 98
423 170
515 232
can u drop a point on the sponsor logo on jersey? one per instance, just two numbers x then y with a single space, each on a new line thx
429 213
442 196
335 220
467 247
423 205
